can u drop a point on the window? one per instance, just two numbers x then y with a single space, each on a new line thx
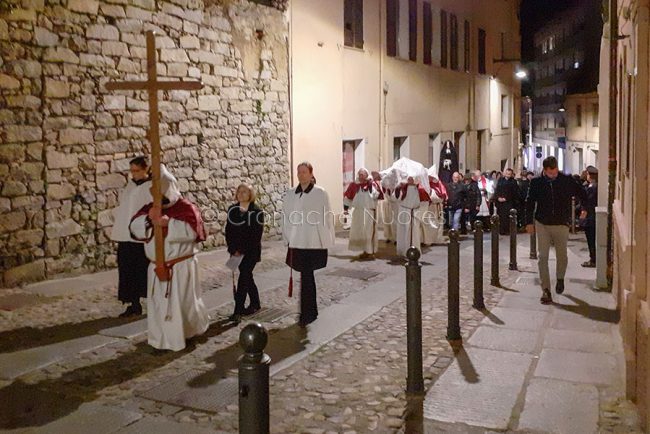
595 112
482 36
392 12
466 40
399 148
427 33
551 43
579 115
443 39
505 111
413 30
353 23
454 42
545 47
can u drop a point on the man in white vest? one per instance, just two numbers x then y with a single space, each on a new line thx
308 230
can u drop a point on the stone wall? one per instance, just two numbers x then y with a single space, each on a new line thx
66 140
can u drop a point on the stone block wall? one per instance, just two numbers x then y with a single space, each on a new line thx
66 140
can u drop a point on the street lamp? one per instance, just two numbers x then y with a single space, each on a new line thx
561 109
521 74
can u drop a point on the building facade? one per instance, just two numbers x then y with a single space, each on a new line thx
629 179
582 131
373 80
565 63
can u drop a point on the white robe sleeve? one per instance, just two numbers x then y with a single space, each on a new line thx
180 232
139 227
327 231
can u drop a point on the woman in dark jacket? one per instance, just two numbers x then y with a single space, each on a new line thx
244 230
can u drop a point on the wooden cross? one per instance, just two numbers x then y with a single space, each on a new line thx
152 86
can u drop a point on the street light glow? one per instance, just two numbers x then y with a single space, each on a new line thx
521 74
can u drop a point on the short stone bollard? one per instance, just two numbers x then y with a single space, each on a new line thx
494 232
453 289
513 239
254 381
414 379
479 303
533 245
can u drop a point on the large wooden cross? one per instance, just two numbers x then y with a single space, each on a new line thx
152 86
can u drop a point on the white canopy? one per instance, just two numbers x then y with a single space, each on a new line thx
404 168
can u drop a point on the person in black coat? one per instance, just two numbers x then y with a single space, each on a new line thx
507 197
455 200
588 214
472 203
244 230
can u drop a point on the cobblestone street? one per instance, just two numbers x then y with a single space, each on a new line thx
345 373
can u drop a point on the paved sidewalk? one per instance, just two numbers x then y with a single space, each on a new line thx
535 368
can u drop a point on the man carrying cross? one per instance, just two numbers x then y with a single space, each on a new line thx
171 230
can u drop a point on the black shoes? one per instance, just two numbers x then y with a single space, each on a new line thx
132 310
235 317
546 297
559 286
589 264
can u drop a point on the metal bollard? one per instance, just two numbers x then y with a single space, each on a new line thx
494 232
254 381
513 239
479 303
573 215
414 379
453 290
533 245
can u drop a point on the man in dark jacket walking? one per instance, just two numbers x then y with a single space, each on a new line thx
588 215
548 212
507 198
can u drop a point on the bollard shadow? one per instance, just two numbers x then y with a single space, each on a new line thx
492 317
25 404
465 363
414 415
595 313
282 344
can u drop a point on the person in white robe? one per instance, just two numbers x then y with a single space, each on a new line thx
433 221
132 262
389 206
411 198
486 187
175 309
363 196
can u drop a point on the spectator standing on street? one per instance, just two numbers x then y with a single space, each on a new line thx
472 203
507 198
588 215
455 200
548 212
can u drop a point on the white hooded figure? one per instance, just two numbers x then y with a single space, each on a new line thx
432 220
175 309
363 196
411 198
390 205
